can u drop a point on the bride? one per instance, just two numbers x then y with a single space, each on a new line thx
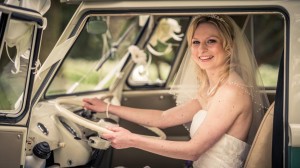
216 89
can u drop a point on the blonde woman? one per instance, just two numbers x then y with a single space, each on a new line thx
216 91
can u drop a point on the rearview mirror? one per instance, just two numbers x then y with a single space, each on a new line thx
96 27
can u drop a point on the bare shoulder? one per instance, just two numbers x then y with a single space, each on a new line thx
236 94
235 89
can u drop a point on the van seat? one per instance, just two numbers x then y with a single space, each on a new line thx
260 154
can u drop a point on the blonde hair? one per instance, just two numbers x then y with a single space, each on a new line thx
222 23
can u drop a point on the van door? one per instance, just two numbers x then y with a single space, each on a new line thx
20 35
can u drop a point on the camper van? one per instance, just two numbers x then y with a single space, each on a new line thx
41 102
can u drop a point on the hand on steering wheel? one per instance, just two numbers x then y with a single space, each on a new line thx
95 126
77 119
94 104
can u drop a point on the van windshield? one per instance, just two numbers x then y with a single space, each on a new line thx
97 55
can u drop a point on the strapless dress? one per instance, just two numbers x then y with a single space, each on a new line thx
228 152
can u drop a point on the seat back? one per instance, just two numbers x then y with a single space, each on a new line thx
260 154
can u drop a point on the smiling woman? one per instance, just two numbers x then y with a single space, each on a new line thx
225 111
221 60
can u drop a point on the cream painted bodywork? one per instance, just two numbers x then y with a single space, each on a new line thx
20 135
59 139
294 75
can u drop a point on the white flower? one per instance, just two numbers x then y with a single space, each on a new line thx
175 28
137 55
174 25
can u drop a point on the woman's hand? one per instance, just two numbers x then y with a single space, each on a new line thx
94 104
121 138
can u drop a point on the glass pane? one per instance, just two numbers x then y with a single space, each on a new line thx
268 46
267 43
161 51
14 63
97 55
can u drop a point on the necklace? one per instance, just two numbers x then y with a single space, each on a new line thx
213 89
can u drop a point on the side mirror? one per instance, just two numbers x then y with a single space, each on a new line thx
96 27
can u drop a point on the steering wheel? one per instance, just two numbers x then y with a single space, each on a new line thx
95 126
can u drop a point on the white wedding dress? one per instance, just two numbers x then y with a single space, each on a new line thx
228 152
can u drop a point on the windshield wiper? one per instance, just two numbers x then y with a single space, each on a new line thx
114 47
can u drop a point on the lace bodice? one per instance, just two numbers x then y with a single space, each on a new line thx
228 152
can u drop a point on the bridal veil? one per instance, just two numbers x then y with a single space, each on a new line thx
189 85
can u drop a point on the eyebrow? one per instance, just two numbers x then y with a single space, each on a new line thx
208 37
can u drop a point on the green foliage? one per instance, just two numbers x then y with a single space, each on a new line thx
269 75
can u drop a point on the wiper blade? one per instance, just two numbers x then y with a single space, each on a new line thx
114 48
106 57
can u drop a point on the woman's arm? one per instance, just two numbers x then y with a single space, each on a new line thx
122 138
226 108
156 118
